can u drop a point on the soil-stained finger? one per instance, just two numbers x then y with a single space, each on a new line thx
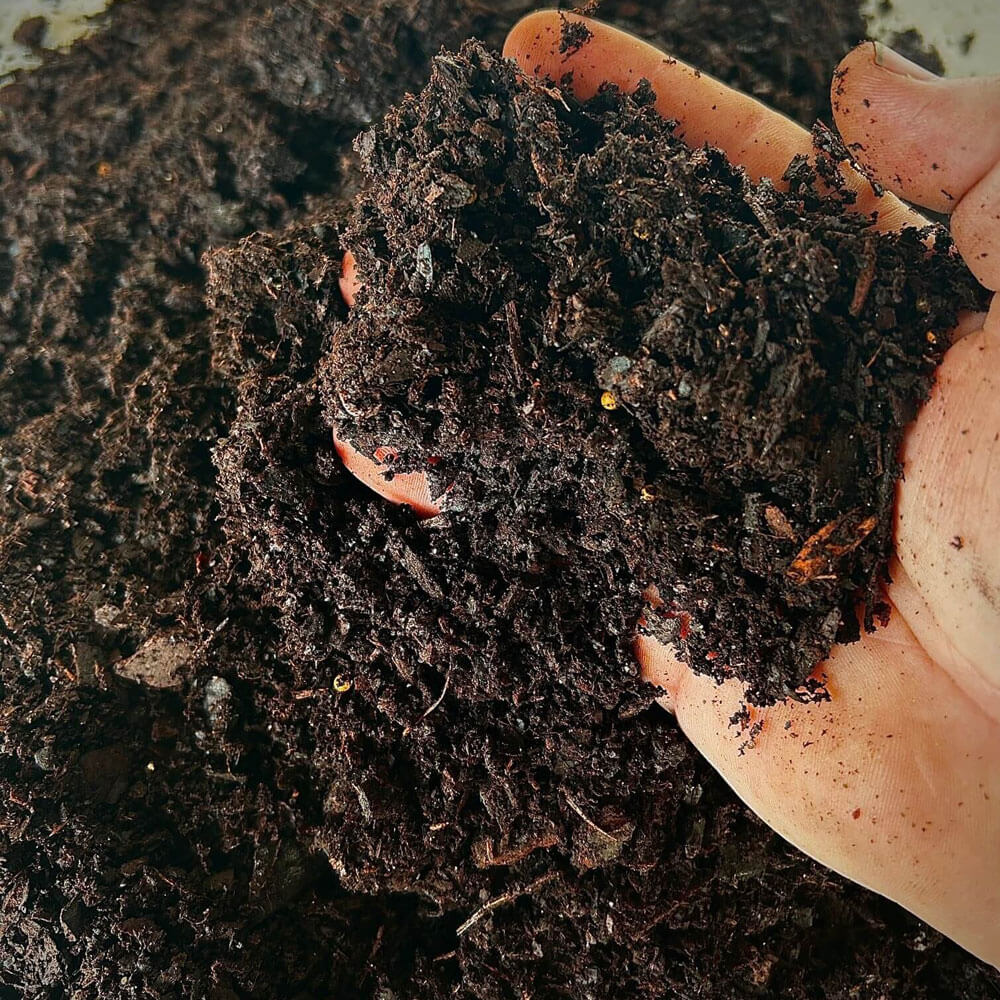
377 474
349 282
948 513
975 225
924 137
759 138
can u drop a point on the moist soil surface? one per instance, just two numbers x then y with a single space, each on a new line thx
266 736
622 365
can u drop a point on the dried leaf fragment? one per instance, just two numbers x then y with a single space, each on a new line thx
834 540
778 523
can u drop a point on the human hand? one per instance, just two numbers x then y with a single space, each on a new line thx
893 781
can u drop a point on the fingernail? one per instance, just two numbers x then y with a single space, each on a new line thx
892 61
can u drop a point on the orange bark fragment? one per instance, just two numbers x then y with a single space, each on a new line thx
833 541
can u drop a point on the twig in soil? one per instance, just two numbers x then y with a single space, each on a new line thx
416 567
752 195
227 776
507 897
377 943
586 818
878 351
514 336
440 697
865 277
366 809
834 540
371 955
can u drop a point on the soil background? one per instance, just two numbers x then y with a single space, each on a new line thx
162 824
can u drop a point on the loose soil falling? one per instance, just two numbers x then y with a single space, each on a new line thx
235 761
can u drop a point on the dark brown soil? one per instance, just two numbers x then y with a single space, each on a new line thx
186 791
630 367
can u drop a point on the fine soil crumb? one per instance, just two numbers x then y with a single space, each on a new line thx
182 757
574 35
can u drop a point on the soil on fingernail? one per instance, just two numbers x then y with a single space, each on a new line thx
265 736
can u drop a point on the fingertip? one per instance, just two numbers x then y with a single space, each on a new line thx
530 30
975 226
661 666
926 138
897 63
411 488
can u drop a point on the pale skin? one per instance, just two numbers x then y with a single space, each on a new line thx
895 781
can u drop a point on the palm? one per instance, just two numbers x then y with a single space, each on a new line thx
893 782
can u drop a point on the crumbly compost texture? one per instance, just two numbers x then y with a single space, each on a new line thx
624 366
182 757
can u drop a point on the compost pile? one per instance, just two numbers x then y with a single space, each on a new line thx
265 735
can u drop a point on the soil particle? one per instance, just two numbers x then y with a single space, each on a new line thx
159 662
574 35
31 32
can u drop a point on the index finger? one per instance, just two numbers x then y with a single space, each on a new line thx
763 141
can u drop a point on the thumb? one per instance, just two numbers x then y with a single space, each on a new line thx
933 141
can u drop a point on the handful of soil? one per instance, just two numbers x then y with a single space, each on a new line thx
624 366
630 367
